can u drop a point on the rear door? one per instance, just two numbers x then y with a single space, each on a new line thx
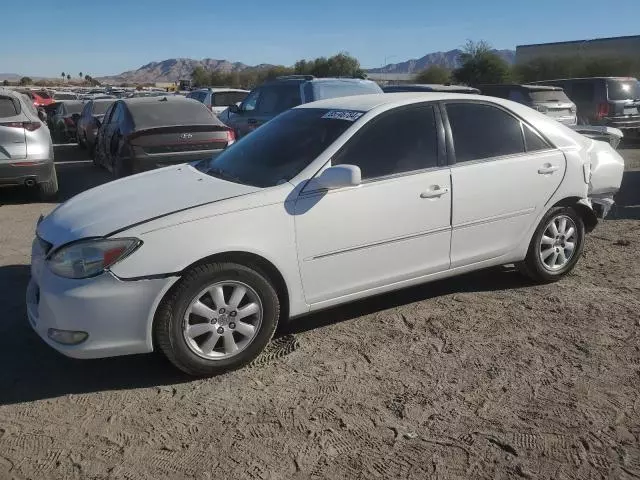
13 144
504 173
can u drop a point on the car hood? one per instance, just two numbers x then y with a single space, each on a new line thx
130 201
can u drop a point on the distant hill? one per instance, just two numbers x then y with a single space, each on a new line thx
175 69
11 77
445 59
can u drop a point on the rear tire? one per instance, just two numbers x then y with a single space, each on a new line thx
556 246
208 353
49 189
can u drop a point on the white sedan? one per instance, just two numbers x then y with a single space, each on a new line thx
329 202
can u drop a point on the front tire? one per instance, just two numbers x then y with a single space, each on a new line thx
218 318
556 246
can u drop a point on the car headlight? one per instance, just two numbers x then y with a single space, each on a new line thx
89 258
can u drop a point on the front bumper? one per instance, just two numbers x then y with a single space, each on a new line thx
116 314
18 174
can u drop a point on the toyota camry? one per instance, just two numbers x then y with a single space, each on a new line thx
327 203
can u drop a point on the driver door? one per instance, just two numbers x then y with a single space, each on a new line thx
395 225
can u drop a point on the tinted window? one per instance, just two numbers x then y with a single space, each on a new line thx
322 90
225 99
251 101
278 150
533 141
583 91
275 99
517 95
200 96
399 141
64 96
482 131
8 107
623 89
177 111
99 108
73 107
117 114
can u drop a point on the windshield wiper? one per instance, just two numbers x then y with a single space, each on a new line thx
224 175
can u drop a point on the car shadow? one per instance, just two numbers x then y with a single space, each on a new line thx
34 371
491 279
76 173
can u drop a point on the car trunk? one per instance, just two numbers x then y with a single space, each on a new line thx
176 140
624 99
554 103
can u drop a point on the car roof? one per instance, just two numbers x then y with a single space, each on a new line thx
432 87
219 89
311 79
518 85
587 78
364 103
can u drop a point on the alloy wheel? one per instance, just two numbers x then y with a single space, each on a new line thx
222 320
558 243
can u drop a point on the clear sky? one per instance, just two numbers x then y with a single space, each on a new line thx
101 37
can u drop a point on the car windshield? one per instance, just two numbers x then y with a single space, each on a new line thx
623 89
548 96
100 107
280 149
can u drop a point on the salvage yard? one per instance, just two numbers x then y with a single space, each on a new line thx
480 376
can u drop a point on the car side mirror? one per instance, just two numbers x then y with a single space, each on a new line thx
234 108
42 115
340 176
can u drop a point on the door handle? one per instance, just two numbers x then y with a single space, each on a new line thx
252 121
547 168
435 192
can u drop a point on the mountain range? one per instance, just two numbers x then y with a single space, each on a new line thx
174 69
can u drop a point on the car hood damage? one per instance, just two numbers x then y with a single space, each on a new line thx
116 206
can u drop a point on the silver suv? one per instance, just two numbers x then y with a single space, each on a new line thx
550 100
26 149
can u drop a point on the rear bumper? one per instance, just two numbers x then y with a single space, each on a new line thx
142 163
19 174
623 123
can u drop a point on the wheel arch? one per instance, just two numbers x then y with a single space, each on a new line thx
587 214
252 260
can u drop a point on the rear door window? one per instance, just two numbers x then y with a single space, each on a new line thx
533 141
583 91
623 89
8 107
483 131
398 141
275 99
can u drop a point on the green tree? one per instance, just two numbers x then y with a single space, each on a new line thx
26 81
340 65
63 75
434 74
200 77
5 83
68 77
80 75
479 64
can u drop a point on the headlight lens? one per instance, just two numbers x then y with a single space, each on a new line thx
91 257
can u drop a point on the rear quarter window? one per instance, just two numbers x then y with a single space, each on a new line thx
8 107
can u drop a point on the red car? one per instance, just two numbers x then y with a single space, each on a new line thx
40 98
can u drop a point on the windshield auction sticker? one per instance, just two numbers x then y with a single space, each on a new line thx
348 115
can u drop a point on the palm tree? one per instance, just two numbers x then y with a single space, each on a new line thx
63 75
68 77
80 75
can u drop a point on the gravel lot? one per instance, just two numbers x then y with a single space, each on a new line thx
482 376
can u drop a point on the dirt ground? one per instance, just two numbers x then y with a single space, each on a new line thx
482 376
